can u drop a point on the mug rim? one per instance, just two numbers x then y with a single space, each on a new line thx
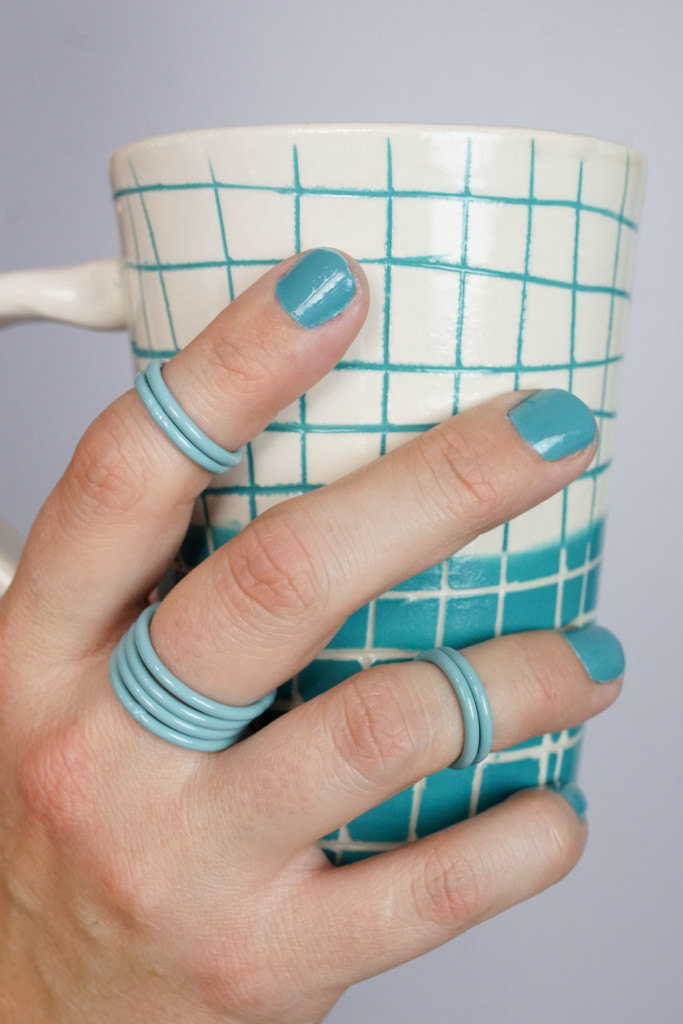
193 136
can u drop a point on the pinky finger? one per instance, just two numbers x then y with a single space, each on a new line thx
394 907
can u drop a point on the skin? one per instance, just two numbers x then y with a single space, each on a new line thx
142 882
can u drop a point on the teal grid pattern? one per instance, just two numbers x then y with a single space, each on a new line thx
514 579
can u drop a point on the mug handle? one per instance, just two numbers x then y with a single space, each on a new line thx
10 551
87 295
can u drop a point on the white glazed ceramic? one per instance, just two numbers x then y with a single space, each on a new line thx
497 258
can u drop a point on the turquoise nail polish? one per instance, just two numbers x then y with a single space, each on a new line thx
599 651
555 422
573 795
318 287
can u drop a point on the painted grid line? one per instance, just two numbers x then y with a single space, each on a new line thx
464 196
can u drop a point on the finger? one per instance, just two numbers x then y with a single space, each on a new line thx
383 730
117 517
266 603
378 913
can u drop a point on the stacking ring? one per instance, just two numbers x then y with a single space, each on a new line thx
177 425
474 704
166 706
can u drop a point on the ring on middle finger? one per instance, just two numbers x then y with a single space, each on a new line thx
474 704
166 706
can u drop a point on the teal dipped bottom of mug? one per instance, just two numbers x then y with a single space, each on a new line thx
462 601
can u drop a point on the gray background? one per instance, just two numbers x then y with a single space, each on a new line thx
79 78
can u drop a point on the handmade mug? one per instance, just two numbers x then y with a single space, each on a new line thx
497 259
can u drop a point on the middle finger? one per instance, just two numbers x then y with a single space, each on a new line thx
268 601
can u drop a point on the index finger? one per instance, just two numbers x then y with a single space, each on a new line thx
117 517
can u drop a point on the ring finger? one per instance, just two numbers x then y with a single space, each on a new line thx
380 731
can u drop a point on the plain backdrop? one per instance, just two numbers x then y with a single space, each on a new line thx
80 77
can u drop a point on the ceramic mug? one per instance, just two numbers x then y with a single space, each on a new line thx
497 259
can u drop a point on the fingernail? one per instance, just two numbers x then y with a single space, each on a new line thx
573 795
318 287
599 652
556 423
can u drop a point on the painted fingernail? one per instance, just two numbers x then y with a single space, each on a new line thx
599 652
573 795
556 423
318 287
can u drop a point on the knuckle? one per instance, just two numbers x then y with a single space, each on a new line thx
371 732
229 363
561 849
447 890
68 800
459 467
554 839
247 983
547 677
103 479
273 570
56 780
241 968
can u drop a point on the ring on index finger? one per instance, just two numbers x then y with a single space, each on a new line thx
177 425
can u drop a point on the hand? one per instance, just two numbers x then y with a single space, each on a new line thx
142 882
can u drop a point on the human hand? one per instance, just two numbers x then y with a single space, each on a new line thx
144 882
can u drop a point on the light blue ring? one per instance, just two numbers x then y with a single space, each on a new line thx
152 724
139 687
157 694
466 700
183 422
480 699
171 430
158 712
215 709
138 693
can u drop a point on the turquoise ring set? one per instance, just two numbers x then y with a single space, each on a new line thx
170 709
177 425
157 699
474 704
173 711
